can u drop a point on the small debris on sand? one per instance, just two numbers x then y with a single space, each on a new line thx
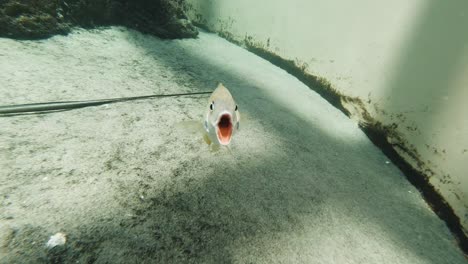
58 239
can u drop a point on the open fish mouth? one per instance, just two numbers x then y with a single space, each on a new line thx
224 129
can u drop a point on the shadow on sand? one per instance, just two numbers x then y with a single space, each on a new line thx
307 181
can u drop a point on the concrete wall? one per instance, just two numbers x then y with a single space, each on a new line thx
406 60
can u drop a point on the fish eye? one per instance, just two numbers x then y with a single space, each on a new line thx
211 106
236 108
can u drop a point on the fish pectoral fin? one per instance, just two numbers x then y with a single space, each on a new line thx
215 147
190 126
206 138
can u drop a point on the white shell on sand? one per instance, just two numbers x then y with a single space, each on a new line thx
58 239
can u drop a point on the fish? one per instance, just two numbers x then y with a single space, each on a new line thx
222 117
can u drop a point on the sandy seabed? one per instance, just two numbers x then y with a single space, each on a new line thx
133 183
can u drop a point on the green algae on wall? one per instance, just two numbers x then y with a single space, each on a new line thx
28 19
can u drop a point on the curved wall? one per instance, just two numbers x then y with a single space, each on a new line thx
406 60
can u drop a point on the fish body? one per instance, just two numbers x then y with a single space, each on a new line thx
222 117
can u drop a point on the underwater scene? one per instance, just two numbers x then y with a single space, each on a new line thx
217 131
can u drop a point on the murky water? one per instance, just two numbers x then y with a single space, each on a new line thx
134 181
